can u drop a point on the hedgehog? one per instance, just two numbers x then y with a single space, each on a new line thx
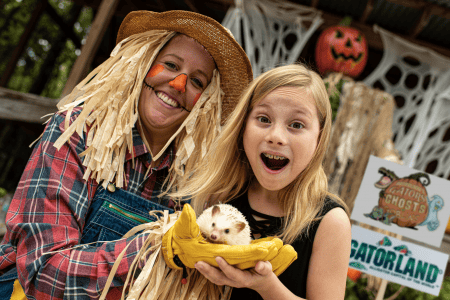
224 224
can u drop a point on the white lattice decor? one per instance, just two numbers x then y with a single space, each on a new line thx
417 77
272 32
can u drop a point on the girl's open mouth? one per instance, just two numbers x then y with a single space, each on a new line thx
274 162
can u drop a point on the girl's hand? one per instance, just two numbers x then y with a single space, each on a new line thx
255 278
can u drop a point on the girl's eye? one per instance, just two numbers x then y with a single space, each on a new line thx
197 82
297 125
263 119
171 65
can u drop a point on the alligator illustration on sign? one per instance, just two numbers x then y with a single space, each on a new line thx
385 242
405 202
403 250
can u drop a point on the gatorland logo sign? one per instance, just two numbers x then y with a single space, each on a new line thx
397 261
403 201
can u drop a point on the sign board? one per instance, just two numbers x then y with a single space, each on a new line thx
397 261
402 200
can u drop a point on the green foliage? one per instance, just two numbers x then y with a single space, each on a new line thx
358 291
2 192
335 97
33 63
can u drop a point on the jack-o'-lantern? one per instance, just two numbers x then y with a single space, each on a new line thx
341 49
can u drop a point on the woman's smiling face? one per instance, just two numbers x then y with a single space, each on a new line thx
180 73
281 136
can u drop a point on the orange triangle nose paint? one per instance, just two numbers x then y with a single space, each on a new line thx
179 83
155 70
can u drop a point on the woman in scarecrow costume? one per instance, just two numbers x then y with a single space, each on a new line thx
129 131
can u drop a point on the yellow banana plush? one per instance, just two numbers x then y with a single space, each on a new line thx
184 245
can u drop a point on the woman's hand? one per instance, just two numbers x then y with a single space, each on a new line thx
255 278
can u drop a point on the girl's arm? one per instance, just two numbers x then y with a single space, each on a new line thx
261 278
328 265
48 214
327 269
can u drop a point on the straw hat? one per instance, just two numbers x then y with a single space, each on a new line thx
109 95
232 62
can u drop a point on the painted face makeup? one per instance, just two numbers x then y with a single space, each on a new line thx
179 83
155 70
197 97
162 107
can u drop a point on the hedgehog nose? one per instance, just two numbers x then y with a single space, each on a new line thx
213 237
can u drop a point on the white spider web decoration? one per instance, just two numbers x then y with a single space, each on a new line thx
421 122
272 33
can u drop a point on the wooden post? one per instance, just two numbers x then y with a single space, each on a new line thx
382 290
98 28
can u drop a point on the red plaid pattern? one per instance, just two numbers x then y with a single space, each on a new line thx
48 214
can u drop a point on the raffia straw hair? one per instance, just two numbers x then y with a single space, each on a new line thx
109 96
225 172
156 280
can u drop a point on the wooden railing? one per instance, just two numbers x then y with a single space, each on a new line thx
25 107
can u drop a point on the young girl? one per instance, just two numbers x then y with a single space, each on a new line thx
268 163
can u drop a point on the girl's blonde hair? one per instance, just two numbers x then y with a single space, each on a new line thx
225 172
109 96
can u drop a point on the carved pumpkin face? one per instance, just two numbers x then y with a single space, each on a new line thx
341 49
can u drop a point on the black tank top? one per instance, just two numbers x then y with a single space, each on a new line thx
294 277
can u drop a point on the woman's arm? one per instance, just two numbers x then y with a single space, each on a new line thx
328 265
48 214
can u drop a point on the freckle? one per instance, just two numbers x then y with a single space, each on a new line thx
197 97
155 70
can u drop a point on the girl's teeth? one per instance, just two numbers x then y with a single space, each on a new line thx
274 156
166 99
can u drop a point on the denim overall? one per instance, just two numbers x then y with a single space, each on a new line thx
113 213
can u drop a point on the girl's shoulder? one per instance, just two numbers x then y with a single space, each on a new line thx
328 205
333 217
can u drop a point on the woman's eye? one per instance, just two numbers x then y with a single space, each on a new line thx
297 125
171 65
197 82
263 119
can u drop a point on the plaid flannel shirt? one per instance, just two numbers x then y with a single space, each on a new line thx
48 213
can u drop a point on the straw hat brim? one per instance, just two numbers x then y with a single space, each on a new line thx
231 60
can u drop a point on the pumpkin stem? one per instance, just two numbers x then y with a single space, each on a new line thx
346 21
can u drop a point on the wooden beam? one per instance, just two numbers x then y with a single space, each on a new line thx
98 28
374 39
40 6
423 21
314 3
367 10
438 10
25 107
